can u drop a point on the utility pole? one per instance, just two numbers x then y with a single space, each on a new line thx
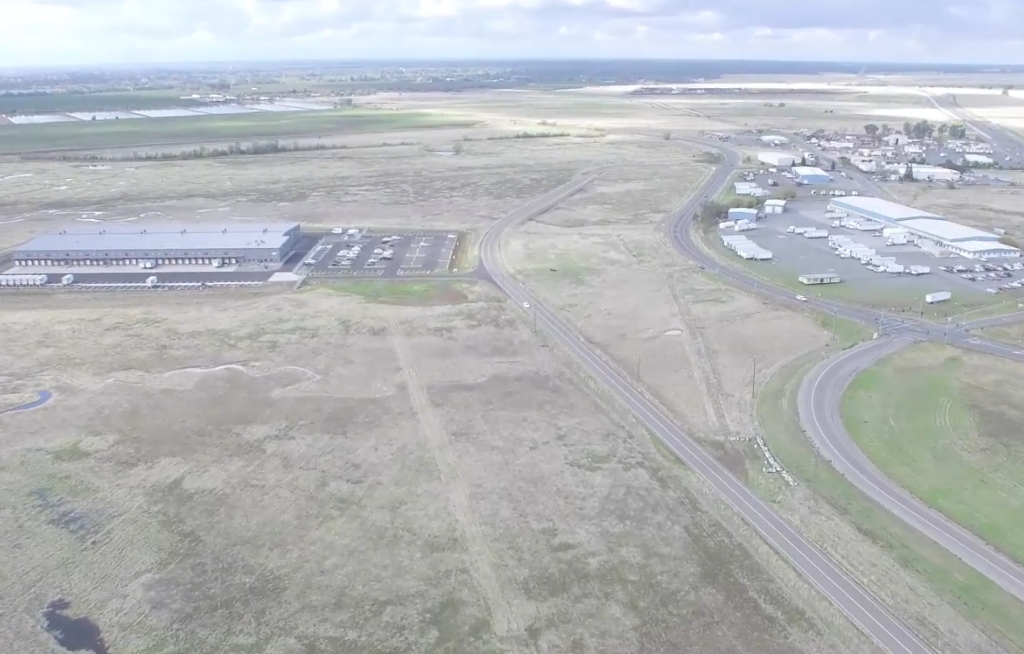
834 318
753 378
639 359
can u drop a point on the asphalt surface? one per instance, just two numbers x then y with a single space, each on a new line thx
858 604
821 392
999 137
819 402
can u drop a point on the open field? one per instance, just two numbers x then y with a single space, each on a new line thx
314 473
140 132
984 207
825 503
115 101
695 345
1012 334
947 426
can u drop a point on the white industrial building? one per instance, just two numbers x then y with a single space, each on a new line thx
960 239
978 160
775 206
777 159
739 213
773 139
811 175
924 173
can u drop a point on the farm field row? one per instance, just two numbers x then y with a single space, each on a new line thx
15 139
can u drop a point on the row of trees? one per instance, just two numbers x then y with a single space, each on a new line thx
920 130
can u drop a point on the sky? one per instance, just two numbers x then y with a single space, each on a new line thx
62 32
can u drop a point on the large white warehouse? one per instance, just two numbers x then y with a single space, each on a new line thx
777 159
961 239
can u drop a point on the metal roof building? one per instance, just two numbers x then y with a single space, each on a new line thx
811 175
879 210
946 231
961 239
118 243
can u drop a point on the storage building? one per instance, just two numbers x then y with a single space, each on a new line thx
819 278
773 139
743 214
978 160
774 206
877 209
924 173
777 159
125 244
811 175
960 239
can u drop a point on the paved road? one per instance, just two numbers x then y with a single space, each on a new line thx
819 402
858 604
1000 137
821 394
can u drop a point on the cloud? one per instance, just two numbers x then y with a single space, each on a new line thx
46 32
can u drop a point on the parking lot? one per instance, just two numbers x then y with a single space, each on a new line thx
796 255
361 253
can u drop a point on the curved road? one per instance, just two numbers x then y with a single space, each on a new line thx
857 603
821 394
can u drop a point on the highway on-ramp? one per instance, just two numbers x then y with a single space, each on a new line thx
857 603
820 402
821 393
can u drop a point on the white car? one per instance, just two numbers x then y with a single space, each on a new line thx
802 298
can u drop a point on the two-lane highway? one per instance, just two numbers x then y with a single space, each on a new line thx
858 604
821 394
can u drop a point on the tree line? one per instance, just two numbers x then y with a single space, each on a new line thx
922 129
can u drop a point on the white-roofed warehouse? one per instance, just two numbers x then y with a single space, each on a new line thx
961 239
120 243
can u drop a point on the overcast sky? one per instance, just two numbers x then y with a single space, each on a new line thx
59 32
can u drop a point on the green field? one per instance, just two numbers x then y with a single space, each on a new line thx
946 426
973 595
16 139
54 103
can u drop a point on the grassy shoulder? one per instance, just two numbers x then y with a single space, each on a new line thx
16 139
975 597
402 292
944 424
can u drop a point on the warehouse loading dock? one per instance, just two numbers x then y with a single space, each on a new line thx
819 278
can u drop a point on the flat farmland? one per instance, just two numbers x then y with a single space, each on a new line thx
146 131
314 473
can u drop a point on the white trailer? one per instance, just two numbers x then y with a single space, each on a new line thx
895 269
919 270
893 231
67 280
897 239
816 233
937 296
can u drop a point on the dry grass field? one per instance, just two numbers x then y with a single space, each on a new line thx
313 473
984 207
413 471
696 345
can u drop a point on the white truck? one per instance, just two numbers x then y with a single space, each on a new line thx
937 296
897 239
